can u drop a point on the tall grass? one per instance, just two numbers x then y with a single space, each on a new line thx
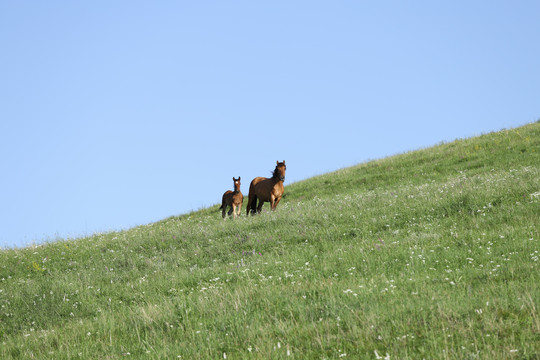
429 254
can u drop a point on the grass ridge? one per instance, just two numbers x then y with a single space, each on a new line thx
428 254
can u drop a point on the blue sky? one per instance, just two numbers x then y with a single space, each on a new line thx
120 113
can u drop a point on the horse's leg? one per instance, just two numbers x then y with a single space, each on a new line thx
276 201
239 209
233 210
223 207
259 208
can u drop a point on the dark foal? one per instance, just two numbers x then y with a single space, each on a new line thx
233 199
267 189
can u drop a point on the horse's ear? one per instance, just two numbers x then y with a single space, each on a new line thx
239 178
233 179
277 162
283 162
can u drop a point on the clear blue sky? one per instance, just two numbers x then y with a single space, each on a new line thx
120 113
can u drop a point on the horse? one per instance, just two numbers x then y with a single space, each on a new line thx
233 199
266 189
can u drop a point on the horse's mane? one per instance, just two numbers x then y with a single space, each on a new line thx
275 173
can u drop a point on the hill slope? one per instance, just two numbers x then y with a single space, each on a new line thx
429 254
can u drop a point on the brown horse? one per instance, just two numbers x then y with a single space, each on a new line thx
232 199
266 189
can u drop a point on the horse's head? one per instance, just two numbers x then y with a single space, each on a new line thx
236 184
279 171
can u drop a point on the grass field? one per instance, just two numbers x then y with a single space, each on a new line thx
430 254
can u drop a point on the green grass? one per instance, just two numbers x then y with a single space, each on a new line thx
431 254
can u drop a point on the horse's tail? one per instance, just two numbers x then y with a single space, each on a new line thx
221 207
253 205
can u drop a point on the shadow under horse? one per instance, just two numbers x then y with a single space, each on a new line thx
266 190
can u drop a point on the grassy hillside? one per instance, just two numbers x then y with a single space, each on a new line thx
431 254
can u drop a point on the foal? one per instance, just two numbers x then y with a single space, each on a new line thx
232 199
